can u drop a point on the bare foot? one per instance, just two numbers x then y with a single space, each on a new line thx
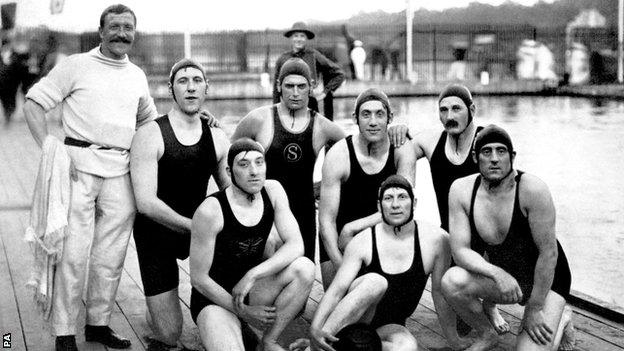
496 320
299 345
568 339
487 341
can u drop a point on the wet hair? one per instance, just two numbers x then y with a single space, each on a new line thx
357 337
492 134
117 10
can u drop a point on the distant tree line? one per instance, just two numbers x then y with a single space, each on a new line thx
540 15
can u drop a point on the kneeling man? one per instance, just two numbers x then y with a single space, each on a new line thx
383 275
510 215
233 285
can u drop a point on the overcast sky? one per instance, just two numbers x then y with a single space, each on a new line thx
199 15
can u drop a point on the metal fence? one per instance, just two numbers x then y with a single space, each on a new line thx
492 48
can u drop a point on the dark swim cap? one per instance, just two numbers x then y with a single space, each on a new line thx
185 63
396 181
357 337
241 145
369 95
457 90
296 66
492 134
461 92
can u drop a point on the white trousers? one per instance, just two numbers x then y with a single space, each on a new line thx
100 222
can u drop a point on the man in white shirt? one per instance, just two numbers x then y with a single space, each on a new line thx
104 97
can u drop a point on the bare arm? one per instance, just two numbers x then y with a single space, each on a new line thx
405 160
288 230
459 206
248 127
352 262
207 223
541 213
147 147
352 228
330 200
35 117
446 316
222 145
459 225
332 133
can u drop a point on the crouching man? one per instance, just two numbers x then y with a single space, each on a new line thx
233 285
383 275
509 215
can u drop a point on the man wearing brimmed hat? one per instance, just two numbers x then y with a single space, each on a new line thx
384 273
319 65
293 136
510 215
234 285
352 172
171 162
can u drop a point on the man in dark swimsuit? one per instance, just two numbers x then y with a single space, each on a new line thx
352 172
448 153
293 136
511 216
383 275
171 162
233 285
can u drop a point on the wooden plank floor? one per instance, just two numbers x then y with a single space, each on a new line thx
18 316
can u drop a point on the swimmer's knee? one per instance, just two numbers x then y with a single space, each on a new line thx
302 269
375 283
454 281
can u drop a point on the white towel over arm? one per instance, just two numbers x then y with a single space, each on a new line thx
48 220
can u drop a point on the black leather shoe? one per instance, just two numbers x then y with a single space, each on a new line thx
66 343
106 336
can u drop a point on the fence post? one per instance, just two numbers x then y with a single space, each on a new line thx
435 54
187 44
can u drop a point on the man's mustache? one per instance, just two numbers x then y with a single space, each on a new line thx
451 124
121 40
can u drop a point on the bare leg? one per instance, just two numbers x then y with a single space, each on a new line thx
219 329
565 337
328 272
553 310
288 292
463 291
359 304
395 337
496 320
165 316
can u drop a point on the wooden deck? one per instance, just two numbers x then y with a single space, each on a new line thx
19 158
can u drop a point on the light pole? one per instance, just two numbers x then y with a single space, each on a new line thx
620 40
409 18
